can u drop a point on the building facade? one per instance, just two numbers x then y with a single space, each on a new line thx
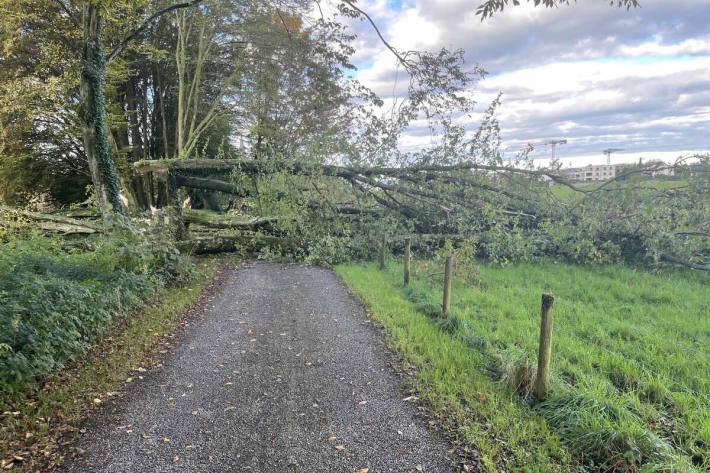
599 172
604 172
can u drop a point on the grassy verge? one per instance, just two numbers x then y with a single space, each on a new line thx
454 379
631 363
34 423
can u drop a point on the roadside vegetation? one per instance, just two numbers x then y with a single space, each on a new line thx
630 362
60 296
77 317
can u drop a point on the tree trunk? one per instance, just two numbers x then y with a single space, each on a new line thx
211 184
175 207
135 188
213 220
54 223
93 113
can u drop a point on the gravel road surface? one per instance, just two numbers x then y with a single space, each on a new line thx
282 373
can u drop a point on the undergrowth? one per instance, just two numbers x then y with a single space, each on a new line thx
60 296
39 420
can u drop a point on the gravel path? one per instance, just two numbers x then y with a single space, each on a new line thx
281 374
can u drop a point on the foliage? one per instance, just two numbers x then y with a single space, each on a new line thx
630 364
263 73
59 298
489 7
43 414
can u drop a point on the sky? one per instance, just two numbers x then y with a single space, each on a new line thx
598 76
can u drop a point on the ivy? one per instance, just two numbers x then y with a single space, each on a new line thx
95 75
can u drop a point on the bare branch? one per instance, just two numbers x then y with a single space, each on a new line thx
66 10
394 51
138 31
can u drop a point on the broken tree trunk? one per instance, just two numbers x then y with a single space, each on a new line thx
211 219
175 206
212 185
226 244
52 223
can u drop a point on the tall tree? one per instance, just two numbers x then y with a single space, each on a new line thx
92 87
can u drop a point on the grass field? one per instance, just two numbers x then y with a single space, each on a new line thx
566 194
630 363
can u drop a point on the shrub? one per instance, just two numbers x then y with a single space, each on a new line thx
58 298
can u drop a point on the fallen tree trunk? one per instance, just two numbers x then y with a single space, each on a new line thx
258 167
227 244
420 237
681 262
79 213
401 189
212 185
346 209
48 222
210 219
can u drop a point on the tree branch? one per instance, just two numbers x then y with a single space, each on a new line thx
396 53
211 184
66 10
133 35
679 261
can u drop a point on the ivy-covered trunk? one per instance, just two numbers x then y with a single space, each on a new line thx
91 90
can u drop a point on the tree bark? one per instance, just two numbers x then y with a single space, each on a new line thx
210 219
175 206
212 185
225 244
95 134
54 223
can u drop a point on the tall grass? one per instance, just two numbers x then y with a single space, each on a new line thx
630 363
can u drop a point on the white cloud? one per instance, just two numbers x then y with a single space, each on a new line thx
411 31
599 76
656 48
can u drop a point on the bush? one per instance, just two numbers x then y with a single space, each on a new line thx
58 299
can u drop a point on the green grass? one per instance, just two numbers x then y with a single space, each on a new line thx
566 194
35 421
630 363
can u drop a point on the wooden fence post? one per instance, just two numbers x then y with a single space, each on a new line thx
407 251
542 379
382 252
448 276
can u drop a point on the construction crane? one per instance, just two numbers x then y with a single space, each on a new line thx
608 153
553 144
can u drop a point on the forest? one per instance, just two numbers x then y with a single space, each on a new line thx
144 142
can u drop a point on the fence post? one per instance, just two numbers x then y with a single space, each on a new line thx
382 252
407 251
448 276
542 380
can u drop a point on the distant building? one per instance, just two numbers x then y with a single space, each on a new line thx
604 172
600 172
652 169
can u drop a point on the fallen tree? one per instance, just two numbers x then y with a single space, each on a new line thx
509 210
213 220
231 243
49 222
211 185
